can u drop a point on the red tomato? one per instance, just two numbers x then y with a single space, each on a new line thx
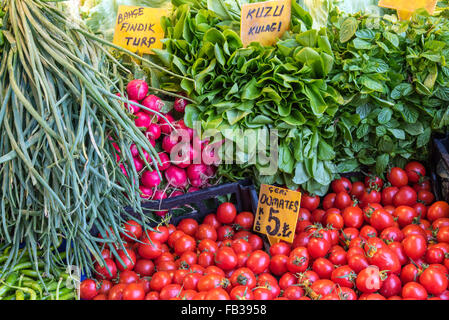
318 247
392 234
226 258
105 286
149 249
278 264
152 295
179 276
328 201
381 219
322 287
212 220
258 261
160 233
426 197
370 196
175 235
206 259
434 255
385 259
317 215
341 185
188 226
439 209
397 177
309 202
368 232
368 280
415 171
128 277
88 289
338 257
414 291
262 294
391 286
358 188
241 293
414 246
398 249
244 220
217 294
304 215
323 267
353 217
108 271
128 257
344 276
101 296
342 200
405 215
280 248
335 220
116 292
255 241
133 231
358 262
133 291
423 185
406 196
210 281
184 243
208 245
191 281
286 280
161 279
226 213
243 277
434 281
388 195
373 182
443 234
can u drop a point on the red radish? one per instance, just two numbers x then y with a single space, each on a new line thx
165 160
180 105
182 158
134 150
168 142
153 131
150 179
165 127
152 102
131 107
122 167
139 164
137 89
198 183
115 145
176 177
196 171
210 171
193 189
181 125
161 213
159 195
142 120
152 142
118 94
146 192
176 193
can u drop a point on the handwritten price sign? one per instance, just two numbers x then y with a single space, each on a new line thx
138 29
264 22
277 213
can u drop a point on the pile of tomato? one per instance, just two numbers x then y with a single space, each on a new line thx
365 240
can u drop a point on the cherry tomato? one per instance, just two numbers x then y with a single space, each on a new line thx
258 261
108 271
278 264
217 294
149 249
397 177
388 195
244 277
426 197
415 171
191 281
188 226
244 220
437 210
129 259
323 267
434 281
358 188
391 286
368 280
414 291
353 217
381 219
212 220
116 292
341 185
88 289
443 234
241 293
161 279
184 243
406 196
405 215
318 247
414 246
133 291
133 231
309 202
226 213
226 258
328 201
293 292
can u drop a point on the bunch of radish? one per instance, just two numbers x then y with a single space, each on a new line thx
186 163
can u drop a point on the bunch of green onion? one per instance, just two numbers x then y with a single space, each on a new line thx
59 176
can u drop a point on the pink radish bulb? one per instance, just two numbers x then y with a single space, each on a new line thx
176 193
210 171
196 171
159 195
152 142
122 167
134 150
198 182
152 102
138 164
118 94
176 177
142 120
153 131
161 213
193 189
137 89
150 179
169 142
132 107
117 157
180 105
181 125
182 158
165 160
165 127
145 192
115 145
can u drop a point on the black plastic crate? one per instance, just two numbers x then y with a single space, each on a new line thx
440 167
198 204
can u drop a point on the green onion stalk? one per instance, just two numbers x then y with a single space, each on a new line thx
59 117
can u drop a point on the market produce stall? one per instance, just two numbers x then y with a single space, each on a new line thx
236 150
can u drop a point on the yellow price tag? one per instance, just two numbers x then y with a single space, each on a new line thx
264 22
405 8
139 29
277 213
